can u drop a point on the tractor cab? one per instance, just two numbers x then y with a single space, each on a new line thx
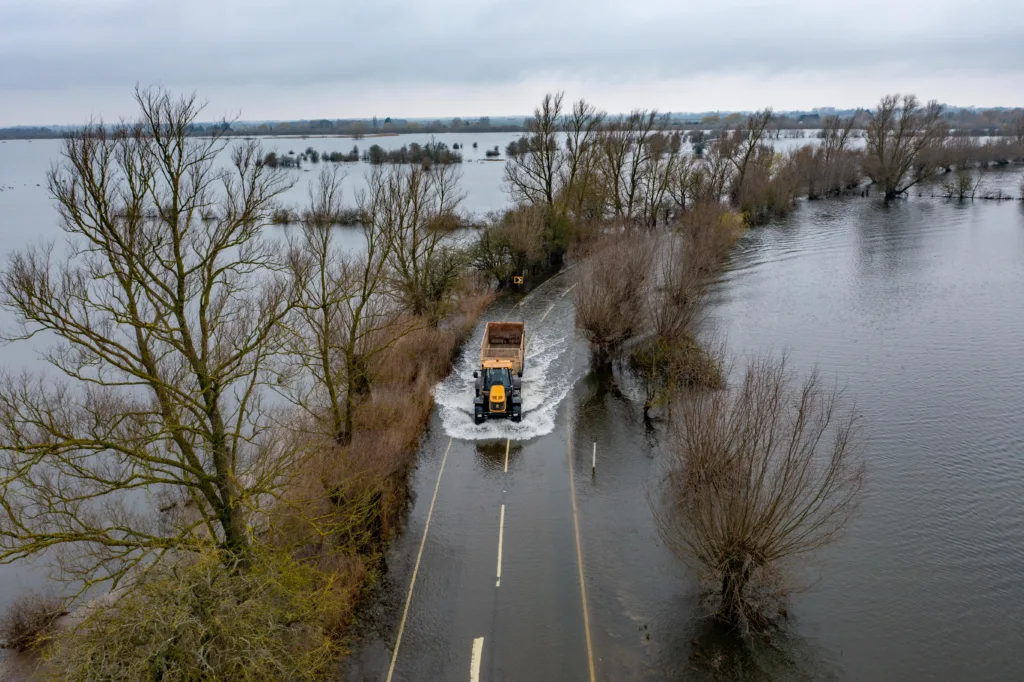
498 392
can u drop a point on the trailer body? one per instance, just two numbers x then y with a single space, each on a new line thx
498 385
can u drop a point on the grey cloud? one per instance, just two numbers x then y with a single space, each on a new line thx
57 44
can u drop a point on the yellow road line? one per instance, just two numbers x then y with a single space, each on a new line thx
579 562
508 444
416 569
548 311
569 289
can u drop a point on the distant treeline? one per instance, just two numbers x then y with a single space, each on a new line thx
425 155
974 123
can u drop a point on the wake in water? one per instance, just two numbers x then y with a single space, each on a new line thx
547 379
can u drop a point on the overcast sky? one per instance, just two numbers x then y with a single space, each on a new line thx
62 61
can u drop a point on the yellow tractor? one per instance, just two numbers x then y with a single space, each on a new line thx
499 381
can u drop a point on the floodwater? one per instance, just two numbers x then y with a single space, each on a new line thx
913 308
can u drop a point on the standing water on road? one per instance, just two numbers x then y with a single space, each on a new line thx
915 310
548 373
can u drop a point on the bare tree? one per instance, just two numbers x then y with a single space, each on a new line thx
165 326
712 176
963 186
368 317
611 289
1017 130
682 182
30 621
760 475
322 272
416 210
837 168
624 152
657 174
747 147
579 189
902 138
531 174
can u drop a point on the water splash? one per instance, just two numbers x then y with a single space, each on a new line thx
547 379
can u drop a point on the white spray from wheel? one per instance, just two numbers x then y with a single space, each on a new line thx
547 379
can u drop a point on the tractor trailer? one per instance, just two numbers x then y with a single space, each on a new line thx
499 381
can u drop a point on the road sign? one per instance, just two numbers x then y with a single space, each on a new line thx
517 279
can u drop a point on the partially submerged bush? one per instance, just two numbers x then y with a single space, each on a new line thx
611 292
664 366
761 474
962 186
197 620
29 621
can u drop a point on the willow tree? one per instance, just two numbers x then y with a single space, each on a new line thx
903 139
761 475
147 433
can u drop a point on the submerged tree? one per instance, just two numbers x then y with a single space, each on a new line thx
760 475
165 325
903 141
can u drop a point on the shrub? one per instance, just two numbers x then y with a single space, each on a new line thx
760 475
611 292
962 186
284 216
666 365
29 621
194 619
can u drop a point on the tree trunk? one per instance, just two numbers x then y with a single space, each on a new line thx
734 582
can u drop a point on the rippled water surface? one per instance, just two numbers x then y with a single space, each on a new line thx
916 309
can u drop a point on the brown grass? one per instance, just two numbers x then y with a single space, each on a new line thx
350 500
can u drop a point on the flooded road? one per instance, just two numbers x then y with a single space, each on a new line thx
500 561
915 310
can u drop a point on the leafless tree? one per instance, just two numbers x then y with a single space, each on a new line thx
322 271
963 186
760 474
747 147
416 210
30 621
838 169
531 175
165 326
712 176
1017 130
624 151
903 139
579 184
683 182
659 171
369 319
610 294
